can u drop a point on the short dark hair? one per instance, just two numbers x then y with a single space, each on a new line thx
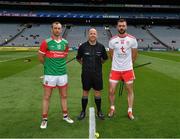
121 20
56 22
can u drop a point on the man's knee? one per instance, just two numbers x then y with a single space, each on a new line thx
64 96
47 97
129 88
97 93
111 91
85 93
112 87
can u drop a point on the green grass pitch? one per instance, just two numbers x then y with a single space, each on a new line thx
156 107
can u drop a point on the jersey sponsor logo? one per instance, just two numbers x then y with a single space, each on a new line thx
56 54
122 41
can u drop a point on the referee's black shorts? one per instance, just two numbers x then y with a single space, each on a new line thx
92 80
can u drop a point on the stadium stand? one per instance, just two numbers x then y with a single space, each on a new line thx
77 35
31 36
149 37
9 32
168 35
102 35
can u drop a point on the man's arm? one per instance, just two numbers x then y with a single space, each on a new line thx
79 54
66 51
104 55
42 51
111 49
41 57
134 50
111 53
134 54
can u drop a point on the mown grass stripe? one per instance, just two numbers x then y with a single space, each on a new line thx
168 67
11 59
167 56
15 66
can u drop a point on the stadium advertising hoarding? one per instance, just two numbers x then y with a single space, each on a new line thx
89 15
17 14
19 48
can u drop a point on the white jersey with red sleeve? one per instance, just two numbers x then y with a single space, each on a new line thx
122 53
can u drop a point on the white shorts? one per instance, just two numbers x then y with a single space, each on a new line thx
55 81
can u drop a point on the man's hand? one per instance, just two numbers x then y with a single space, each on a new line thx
80 60
102 60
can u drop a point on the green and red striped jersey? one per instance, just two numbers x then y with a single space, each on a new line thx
55 56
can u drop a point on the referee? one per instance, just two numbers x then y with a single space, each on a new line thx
91 55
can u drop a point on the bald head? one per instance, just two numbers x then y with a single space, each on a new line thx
92 30
92 35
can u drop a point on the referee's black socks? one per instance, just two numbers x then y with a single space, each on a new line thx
98 102
84 102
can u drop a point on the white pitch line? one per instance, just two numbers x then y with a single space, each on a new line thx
11 59
92 123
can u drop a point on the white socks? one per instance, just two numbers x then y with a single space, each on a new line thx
113 107
129 109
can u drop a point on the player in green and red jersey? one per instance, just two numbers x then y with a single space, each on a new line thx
52 54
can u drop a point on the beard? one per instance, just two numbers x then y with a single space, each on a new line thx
122 31
57 34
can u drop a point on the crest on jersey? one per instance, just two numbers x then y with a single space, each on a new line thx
123 50
59 46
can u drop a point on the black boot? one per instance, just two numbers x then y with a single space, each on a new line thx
100 115
82 115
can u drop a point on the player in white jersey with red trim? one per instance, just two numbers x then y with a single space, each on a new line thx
123 51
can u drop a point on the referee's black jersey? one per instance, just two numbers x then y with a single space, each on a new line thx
92 56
